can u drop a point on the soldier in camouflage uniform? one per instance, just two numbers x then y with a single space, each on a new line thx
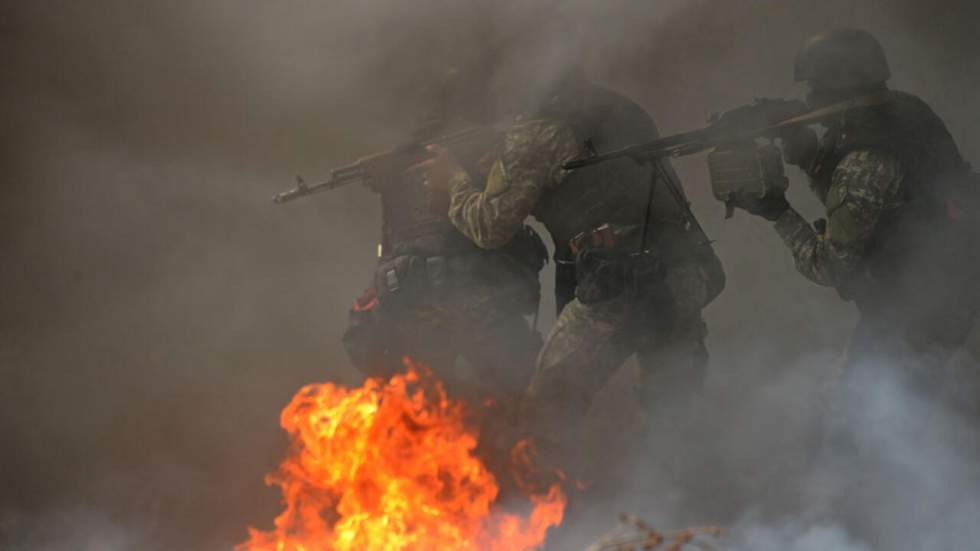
899 238
633 269
435 296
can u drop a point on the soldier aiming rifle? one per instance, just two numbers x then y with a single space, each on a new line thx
900 237
435 296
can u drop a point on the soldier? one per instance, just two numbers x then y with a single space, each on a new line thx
435 296
633 265
899 238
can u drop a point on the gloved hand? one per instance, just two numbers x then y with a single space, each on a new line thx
769 207
800 146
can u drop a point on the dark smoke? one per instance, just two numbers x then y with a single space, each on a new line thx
157 310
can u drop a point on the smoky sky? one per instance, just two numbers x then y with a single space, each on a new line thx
157 310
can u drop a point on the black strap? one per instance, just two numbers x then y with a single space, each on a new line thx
675 191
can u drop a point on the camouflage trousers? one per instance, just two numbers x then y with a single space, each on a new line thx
588 345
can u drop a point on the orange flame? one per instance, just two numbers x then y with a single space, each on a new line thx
389 466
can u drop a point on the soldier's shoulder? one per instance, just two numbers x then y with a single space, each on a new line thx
533 133
910 113
537 125
898 114
868 165
866 175
908 101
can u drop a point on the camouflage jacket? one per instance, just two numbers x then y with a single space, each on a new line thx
528 165
885 175
866 188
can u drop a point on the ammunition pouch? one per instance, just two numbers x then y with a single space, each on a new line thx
406 279
745 171
609 261
599 276
406 282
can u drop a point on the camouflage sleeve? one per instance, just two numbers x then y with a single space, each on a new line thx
864 186
529 163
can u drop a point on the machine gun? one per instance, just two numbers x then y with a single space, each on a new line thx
738 164
374 170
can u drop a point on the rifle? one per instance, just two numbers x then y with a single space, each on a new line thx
738 165
765 118
376 167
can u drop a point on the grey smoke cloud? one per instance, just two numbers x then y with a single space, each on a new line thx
159 310
919 467
799 538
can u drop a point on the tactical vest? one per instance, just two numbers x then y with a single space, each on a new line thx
921 256
415 220
419 241
614 192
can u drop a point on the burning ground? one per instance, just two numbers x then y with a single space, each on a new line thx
391 466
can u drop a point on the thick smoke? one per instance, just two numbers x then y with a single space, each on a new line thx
158 310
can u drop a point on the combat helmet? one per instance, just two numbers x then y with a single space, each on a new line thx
842 59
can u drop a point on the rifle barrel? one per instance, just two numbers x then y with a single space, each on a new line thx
358 171
338 178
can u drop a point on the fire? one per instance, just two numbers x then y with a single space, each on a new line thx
389 466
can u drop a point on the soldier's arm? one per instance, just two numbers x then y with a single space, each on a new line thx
529 163
864 186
